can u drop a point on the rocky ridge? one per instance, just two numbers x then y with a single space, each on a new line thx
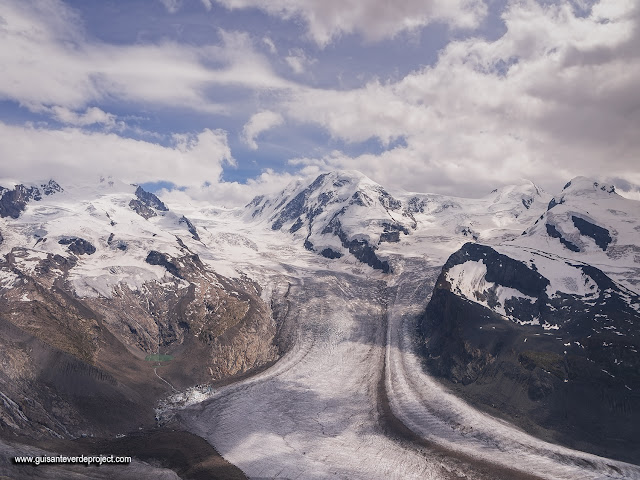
545 330
104 310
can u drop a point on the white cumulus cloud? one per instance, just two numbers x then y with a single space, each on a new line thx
373 19
92 116
72 154
298 61
172 6
259 123
270 45
48 60
554 97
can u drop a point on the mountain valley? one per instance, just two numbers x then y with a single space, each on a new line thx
294 333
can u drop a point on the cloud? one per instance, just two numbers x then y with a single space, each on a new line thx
92 116
48 60
75 155
232 194
270 45
374 19
625 188
207 4
72 156
375 110
258 123
556 96
172 6
298 60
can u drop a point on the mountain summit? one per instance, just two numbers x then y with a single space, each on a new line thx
338 213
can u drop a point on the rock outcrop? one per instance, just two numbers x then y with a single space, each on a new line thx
548 344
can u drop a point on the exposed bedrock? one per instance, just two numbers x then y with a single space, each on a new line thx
562 366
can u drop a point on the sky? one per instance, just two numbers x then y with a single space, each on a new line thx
219 100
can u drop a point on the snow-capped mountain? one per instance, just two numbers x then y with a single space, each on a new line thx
111 299
338 213
13 201
589 222
341 213
100 285
549 320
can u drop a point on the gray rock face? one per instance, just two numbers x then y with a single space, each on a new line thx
553 232
575 383
158 258
555 202
51 188
146 204
120 245
192 229
13 202
78 246
391 232
68 365
141 209
600 235
366 254
297 207
330 253
150 199
358 248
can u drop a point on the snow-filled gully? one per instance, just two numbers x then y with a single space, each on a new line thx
317 412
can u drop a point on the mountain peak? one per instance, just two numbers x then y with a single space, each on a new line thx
525 187
525 193
337 179
14 201
337 213
587 218
580 187
585 185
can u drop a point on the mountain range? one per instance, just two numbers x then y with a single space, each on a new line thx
111 300
106 302
545 329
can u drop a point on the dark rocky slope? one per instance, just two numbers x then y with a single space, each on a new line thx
14 201
91 366
576 382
